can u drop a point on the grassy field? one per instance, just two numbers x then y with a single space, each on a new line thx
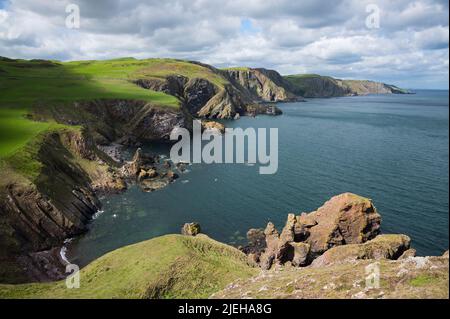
171 266
25 83
16 130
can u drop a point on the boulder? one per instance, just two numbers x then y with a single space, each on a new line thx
445 255
191 229
300 254
382 247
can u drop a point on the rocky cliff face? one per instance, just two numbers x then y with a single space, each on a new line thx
123 121
200 97
262 84
38 216
316 86
240 92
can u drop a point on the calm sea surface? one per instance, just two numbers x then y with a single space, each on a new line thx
393 149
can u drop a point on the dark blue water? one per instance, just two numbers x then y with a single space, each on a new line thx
393 149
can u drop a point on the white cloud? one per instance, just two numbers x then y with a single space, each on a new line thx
290 36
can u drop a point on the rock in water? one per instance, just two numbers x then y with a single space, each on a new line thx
191 229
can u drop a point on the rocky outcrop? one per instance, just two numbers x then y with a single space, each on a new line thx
343 220
382 247
149 172
191 229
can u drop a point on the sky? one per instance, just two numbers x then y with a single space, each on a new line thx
398 42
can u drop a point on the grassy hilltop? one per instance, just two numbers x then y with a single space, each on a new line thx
25 83
171 266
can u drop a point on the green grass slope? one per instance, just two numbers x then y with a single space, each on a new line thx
171 266
24 83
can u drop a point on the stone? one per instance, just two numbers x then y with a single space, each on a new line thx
272 237
300 252
171 176
191 229
445 255
408 254
152 173
167 164
382 247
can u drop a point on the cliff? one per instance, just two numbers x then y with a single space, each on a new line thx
262 84
57 114
315 86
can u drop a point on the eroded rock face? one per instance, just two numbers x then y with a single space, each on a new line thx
266 85
343 220
126 122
